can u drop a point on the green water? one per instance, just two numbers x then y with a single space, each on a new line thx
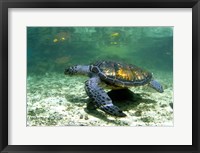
54 99
51 49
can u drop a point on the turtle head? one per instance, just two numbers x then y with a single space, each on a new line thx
77 69
156 85
70 70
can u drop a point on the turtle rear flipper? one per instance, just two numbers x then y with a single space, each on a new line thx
100 98
156 85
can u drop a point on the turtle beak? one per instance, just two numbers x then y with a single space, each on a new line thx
68 71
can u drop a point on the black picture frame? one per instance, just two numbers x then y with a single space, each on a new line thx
6 4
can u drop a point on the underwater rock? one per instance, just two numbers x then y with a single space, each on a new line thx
86 117
171 105
81 116
138 113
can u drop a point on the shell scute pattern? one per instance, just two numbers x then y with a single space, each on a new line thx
122 74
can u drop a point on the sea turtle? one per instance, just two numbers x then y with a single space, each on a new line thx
115 75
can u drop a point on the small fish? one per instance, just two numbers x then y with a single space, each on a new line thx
55 40
113 43
62 36
115 34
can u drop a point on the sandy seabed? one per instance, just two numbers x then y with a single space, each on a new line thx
58 100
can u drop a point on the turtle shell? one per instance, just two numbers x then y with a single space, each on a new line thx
121 74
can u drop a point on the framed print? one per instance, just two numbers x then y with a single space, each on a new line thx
99 76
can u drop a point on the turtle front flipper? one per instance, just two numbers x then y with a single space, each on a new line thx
100 98
156 85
